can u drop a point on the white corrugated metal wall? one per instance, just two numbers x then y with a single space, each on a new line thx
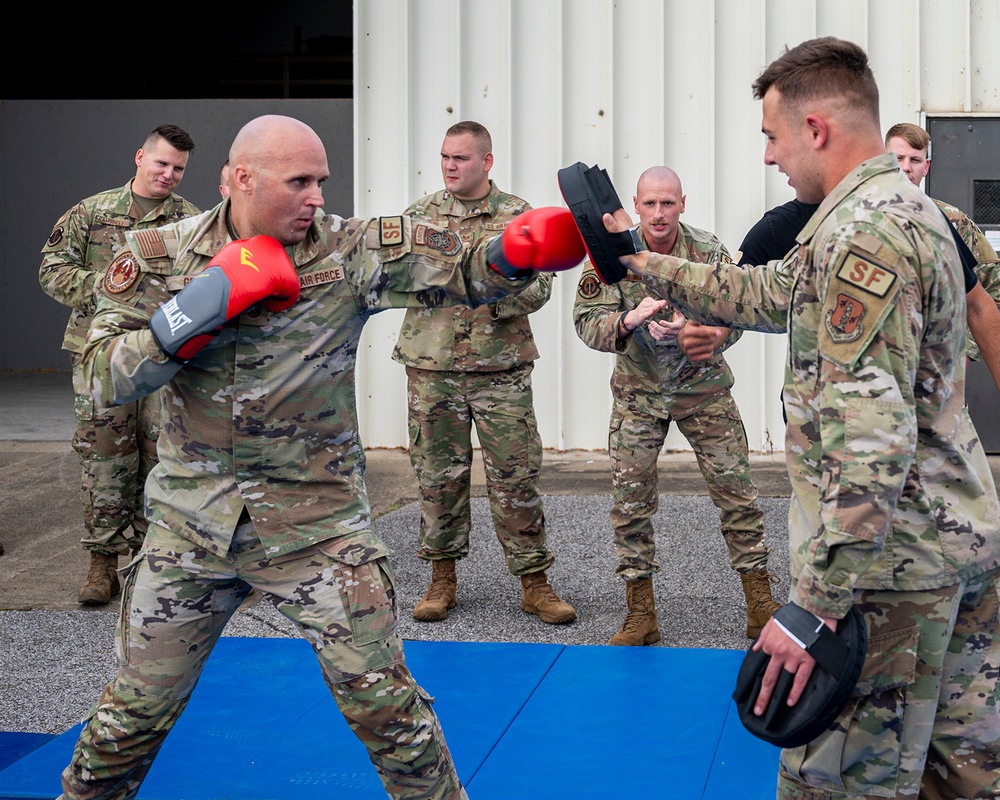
625 84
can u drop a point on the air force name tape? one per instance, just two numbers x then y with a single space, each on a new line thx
839 657
589 195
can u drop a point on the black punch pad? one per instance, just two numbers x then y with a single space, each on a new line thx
589 194
839 659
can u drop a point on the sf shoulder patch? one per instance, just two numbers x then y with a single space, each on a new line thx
122 273
390 231
862 272
437 239
861 293
589 286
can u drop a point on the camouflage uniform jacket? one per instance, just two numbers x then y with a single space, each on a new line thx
651 378
493 337
987 267
891 487
265 416
84 241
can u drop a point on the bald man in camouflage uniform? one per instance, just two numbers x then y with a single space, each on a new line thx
260 482
466 365
894 509
117 446
655 385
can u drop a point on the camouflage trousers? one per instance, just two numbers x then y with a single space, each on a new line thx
716 434
117 449
442 408
925 719
176 601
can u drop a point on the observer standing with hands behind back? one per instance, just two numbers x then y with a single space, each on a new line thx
473 365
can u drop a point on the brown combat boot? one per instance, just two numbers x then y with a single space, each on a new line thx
102 580
640 626
760 605
538 597
440 595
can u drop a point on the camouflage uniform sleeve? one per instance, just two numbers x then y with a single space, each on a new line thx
535 296
723 294
867 355
721 255
122 361
987 269
64 274
404 262
596 310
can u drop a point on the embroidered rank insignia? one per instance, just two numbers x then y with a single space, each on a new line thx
843 322
122 273
151 244
863 272
390 231
436 239
589 287
56 236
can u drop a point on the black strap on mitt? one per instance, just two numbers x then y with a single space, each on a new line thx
839 657
589 194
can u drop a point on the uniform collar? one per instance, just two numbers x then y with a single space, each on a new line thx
861 174
216 236
453 207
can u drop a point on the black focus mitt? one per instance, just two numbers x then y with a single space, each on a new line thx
589 194
839 656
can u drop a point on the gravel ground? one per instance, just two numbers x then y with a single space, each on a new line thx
54 663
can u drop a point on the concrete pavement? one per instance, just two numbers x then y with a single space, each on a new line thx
40 516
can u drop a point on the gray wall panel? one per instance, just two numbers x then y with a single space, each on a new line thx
56 152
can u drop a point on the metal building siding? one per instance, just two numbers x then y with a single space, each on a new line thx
626 84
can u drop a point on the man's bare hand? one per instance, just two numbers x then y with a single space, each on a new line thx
785 655
699 342
637 316
666 330
619 222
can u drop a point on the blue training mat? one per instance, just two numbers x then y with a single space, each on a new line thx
522 721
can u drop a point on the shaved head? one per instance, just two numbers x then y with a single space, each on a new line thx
661 175
277 165
264 141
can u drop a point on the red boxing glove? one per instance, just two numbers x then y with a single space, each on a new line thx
244 273
545 239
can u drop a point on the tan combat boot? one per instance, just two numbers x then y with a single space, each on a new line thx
102 580
640 626
760 605
538 597
440 595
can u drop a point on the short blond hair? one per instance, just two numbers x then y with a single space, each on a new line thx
915 136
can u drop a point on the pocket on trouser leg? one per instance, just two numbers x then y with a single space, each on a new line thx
127 577
860 752
364 578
